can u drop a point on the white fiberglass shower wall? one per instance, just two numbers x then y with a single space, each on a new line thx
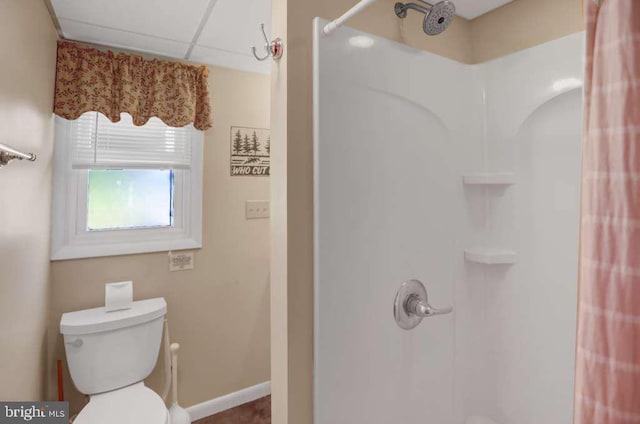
396 132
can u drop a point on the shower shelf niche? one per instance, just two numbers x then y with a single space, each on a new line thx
489 178
490 256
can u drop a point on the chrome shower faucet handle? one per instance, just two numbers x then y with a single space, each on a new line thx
412 305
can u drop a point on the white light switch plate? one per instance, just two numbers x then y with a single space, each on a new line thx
257 209
180 261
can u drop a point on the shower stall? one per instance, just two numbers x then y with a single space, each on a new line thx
467 179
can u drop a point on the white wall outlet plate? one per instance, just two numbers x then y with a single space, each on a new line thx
257 209
180 261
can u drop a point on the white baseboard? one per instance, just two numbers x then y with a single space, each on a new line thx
214 406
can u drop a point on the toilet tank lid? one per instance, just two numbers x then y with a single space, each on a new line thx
97 320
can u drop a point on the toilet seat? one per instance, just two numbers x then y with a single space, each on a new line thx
134 404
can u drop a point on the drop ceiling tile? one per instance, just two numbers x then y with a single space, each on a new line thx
471 9
175 20
234 25
120 39
228 59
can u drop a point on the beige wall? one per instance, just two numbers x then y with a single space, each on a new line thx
27 45
218 312
279 306
523 24
292 177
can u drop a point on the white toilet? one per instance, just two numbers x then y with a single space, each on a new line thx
109 355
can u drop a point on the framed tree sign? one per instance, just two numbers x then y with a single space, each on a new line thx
250 151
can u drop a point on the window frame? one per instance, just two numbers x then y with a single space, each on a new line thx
70 238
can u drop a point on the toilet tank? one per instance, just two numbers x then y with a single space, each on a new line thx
109 350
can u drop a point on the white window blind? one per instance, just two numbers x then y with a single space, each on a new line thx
100 143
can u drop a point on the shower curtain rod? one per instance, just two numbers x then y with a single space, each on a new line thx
331 26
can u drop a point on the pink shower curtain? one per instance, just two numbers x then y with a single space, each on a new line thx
608 350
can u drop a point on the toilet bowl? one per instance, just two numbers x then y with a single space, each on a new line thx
133 404
109 355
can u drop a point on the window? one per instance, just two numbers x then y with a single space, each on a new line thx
129 198
121 189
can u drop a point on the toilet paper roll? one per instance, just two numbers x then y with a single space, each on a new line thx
118 296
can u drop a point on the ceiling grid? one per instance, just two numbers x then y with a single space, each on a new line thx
224 31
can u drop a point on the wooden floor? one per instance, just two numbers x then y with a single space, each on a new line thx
256 412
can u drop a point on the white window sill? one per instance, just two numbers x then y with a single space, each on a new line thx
119 249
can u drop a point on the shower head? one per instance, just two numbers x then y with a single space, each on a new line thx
437 17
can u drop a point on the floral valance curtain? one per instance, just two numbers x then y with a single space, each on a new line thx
88 79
